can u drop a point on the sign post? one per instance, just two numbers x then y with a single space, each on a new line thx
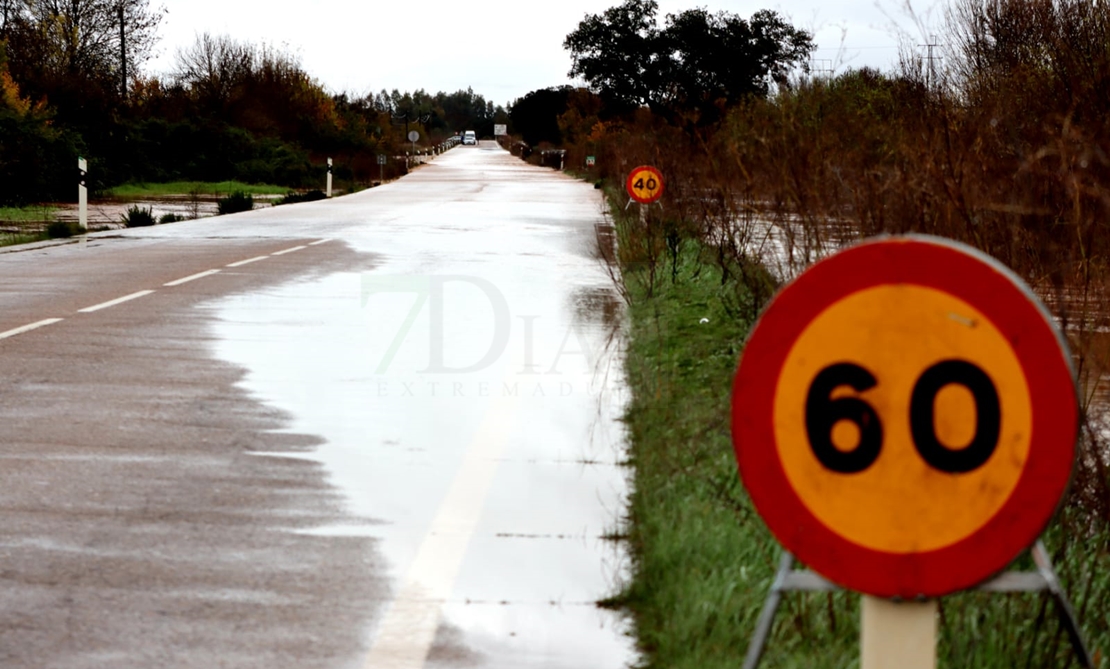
82 193
413 136
329 178
882 420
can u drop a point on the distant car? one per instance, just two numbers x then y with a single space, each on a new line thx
469 138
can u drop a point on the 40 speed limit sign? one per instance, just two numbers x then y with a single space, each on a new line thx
644 184
904 416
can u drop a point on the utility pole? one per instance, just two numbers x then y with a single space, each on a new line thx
931 74
821 66
122 53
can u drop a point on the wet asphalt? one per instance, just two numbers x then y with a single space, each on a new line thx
376 431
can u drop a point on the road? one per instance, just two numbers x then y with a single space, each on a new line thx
375 431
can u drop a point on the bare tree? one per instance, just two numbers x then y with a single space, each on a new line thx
77 39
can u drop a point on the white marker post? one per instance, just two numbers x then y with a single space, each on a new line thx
82 194
897 635
329 177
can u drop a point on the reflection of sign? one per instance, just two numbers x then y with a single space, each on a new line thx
904 417
381 159
645 184
413 135
590 161
500 129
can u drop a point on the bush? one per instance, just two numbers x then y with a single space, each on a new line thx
294 198
137 217
60 230
171 218
236 202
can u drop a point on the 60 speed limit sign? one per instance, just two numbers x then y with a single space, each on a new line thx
904 416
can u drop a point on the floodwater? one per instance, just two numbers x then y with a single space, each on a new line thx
467 386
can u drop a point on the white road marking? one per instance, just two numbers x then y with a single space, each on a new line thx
247 261
321 241
112 303
29 327
281 253
409 626
193 277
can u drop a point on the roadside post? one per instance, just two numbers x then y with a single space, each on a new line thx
82 193
381 168
329 178
883 419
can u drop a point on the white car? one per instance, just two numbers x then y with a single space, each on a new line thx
469 138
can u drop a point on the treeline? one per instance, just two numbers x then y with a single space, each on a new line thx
229 110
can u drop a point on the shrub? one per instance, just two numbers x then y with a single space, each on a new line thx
294 198
171 218
60 230
236 202
137 217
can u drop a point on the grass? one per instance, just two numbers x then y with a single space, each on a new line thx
703 561
217 188
12 239
29 214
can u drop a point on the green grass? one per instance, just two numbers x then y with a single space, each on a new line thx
703 561
29 214
215 188
12 239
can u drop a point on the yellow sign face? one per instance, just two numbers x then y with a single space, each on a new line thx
645 184
895 441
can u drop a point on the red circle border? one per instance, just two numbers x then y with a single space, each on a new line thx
632 193
1041 351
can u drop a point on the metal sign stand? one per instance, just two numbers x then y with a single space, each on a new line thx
789 579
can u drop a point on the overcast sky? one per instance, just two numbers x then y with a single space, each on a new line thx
501 49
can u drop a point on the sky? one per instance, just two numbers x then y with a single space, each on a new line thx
501 49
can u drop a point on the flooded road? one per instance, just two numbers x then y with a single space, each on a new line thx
467 389
393 417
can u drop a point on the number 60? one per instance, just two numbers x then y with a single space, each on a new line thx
823 412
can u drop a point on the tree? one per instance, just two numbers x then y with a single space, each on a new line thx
616 52
536 115
56 41
696 61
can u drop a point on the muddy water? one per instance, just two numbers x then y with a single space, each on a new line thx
467 386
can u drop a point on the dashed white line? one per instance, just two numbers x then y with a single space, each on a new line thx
281 253
29 327
321 241
199 275
247 261
112 303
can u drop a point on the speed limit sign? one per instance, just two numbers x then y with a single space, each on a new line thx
904 416
644 184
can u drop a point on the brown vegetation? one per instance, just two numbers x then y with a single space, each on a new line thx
1008 151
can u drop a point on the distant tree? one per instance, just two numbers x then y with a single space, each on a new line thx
698 60
535 116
